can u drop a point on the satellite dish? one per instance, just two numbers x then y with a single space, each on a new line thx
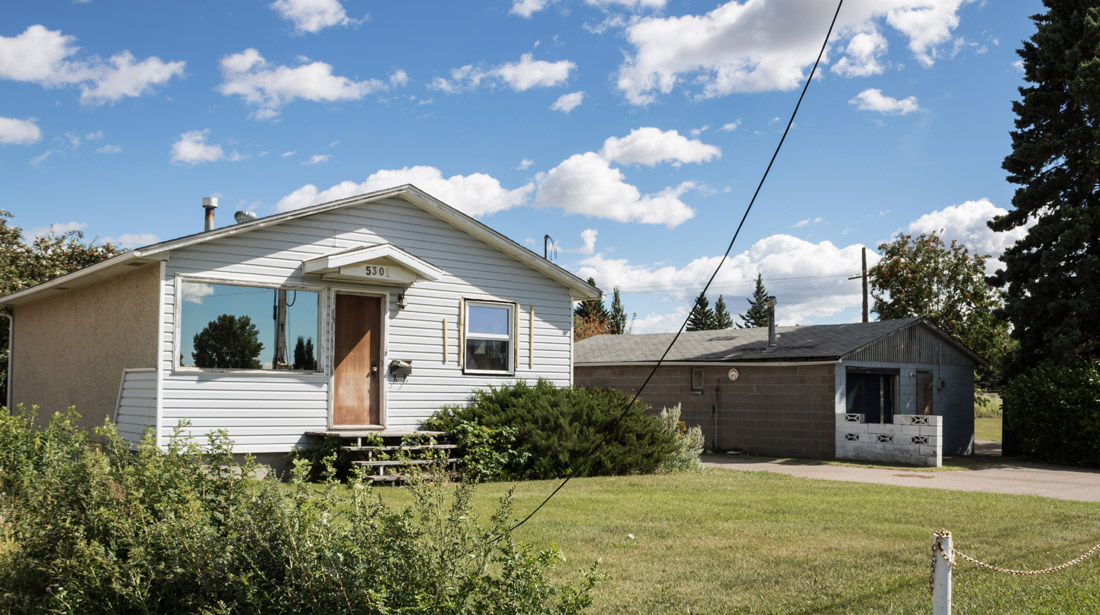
244 216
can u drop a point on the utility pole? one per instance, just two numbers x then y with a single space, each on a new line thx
864 276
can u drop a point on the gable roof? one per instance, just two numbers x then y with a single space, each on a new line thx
578 288
794 344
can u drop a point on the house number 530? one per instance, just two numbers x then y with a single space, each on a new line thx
377 271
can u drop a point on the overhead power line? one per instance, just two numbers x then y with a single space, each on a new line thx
610 429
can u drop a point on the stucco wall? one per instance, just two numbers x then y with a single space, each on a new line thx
781 411
71 347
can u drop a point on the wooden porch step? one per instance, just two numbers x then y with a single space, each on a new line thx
402 462
425 447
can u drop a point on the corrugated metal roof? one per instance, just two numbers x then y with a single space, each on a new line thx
809 343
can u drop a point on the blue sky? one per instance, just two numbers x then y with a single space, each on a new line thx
633 132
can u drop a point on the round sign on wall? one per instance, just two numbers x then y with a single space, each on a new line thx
734 374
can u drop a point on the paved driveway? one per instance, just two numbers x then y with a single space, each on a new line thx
1018 479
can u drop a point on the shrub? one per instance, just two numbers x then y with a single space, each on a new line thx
1054 412
689 442
555 428
110 530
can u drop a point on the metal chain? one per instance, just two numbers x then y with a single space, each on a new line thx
1076 560
950 559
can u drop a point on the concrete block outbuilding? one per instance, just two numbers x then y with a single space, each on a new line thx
785 401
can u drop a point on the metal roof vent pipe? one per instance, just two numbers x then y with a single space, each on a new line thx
244 216
209 203
770 302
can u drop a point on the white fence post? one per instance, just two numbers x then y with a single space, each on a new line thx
942 551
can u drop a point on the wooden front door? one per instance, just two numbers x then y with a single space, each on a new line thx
924 393
357 378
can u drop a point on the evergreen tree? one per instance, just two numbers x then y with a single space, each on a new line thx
702 317
304 357
228 342
593 311
617 323
722 318
1053 298
757 314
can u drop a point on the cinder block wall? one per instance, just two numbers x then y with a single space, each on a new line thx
786 411
69 349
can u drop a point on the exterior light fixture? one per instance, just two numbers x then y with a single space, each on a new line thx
402 302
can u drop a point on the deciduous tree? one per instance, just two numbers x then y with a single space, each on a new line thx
923 276
228 341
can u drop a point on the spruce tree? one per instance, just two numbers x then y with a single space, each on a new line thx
593 310
702 317
757 314
1053 298
722 318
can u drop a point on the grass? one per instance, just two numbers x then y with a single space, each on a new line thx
987 429
755 542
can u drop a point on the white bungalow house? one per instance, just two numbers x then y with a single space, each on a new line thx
369 312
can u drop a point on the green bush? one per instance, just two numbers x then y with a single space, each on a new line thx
1054 411
103 529
689 442
554 428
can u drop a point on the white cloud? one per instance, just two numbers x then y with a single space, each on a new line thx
192 149
526 8
650 146
399 78
46 57
269 88
809 279
1018 65
529 73
807 222
966 222
567 102
39 159
288 154
311 15
730 127
57 229
523 75
19 132
136 240
476 194
586 184
588 236
193 292
861 56
94 136
766 45
631 4
109 149
660 323
874 100
317 159
525 164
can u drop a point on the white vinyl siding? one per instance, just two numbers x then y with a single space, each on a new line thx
269 412
137 404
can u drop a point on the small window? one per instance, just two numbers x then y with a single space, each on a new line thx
696 379
225 326
490 337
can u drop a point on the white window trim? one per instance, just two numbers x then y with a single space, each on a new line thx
177 336
510 337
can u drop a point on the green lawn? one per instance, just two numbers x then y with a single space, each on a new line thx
987 429
754 542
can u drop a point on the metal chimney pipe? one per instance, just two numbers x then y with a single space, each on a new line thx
210 203
770 302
